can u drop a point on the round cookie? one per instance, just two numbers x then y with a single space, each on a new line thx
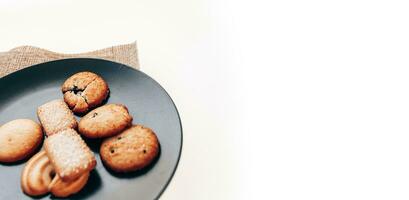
18 139
84 91
105 121
133 149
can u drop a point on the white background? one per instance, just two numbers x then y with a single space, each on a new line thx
278 99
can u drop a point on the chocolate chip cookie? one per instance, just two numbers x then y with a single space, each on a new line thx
105 121
84 91
133 149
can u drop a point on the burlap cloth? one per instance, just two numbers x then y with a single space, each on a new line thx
25 56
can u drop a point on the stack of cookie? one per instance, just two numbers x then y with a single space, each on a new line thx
63 165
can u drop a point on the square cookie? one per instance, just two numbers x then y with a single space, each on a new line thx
55 116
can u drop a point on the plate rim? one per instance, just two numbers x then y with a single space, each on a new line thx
131 68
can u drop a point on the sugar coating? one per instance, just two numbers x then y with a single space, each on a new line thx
55 116
69 154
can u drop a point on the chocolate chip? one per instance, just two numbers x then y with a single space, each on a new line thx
76 90
52 174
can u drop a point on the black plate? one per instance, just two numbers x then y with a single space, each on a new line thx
149 104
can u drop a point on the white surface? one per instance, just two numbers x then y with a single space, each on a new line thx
180 45
279 100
